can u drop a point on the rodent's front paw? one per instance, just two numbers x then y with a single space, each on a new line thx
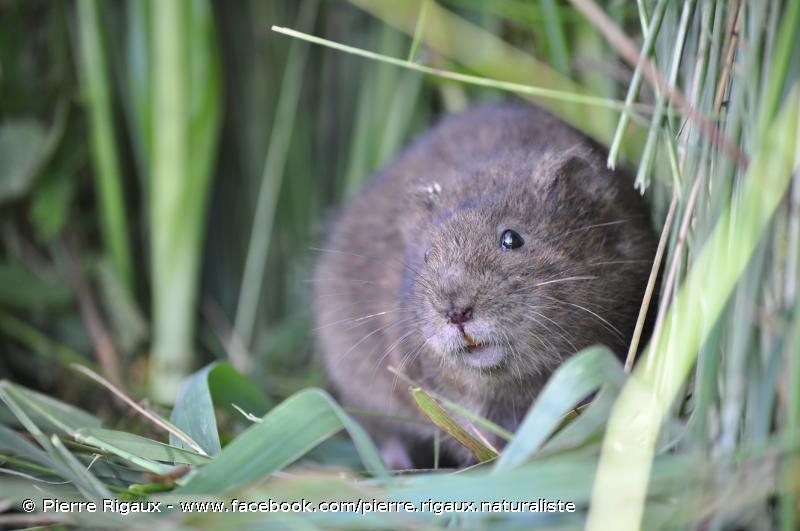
396 456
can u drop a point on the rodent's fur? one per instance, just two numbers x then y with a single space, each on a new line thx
578 279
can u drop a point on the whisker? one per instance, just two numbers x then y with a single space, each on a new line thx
408 359
564 335
594 226
578 267
389 351
365 257
360 341
339 279
610 327
359 319
569 279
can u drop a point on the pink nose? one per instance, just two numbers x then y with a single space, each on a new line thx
459 316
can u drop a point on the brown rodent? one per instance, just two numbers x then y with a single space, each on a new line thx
495 247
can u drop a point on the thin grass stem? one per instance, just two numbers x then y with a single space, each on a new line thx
464 78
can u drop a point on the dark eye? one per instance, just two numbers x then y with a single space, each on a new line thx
427 254
511 240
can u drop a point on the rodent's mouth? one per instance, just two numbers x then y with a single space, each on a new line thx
471 343
481 355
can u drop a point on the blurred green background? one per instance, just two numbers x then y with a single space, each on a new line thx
133 152
165 178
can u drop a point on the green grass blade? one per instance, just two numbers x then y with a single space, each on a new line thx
186 103
490 426
108 177
636 81
217 384
643 173
439 416
419 29
135 448
398 121
48 412
138 79
271 179
629 444
91 487
171 354
151 416
194 413
529 90
60 459
553 478
571 383
138 461
13 443
482 52
788 510
590 423
376 87
234 392
556 36
784 50
285 434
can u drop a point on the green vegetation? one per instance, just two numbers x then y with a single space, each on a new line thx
167 167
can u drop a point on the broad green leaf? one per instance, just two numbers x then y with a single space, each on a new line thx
194 413
141 446
446 422
220 384
229 387
285 434
571 383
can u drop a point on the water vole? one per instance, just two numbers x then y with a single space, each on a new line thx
496 246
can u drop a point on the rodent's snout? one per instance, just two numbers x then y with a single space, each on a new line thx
453 298
459 316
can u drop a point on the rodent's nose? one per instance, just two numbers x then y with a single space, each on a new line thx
459 316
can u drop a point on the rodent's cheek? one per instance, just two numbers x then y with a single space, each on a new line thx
444 340
482 330
441 337
424 310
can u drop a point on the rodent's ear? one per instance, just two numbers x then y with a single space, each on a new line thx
577 175
579 167
576 162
